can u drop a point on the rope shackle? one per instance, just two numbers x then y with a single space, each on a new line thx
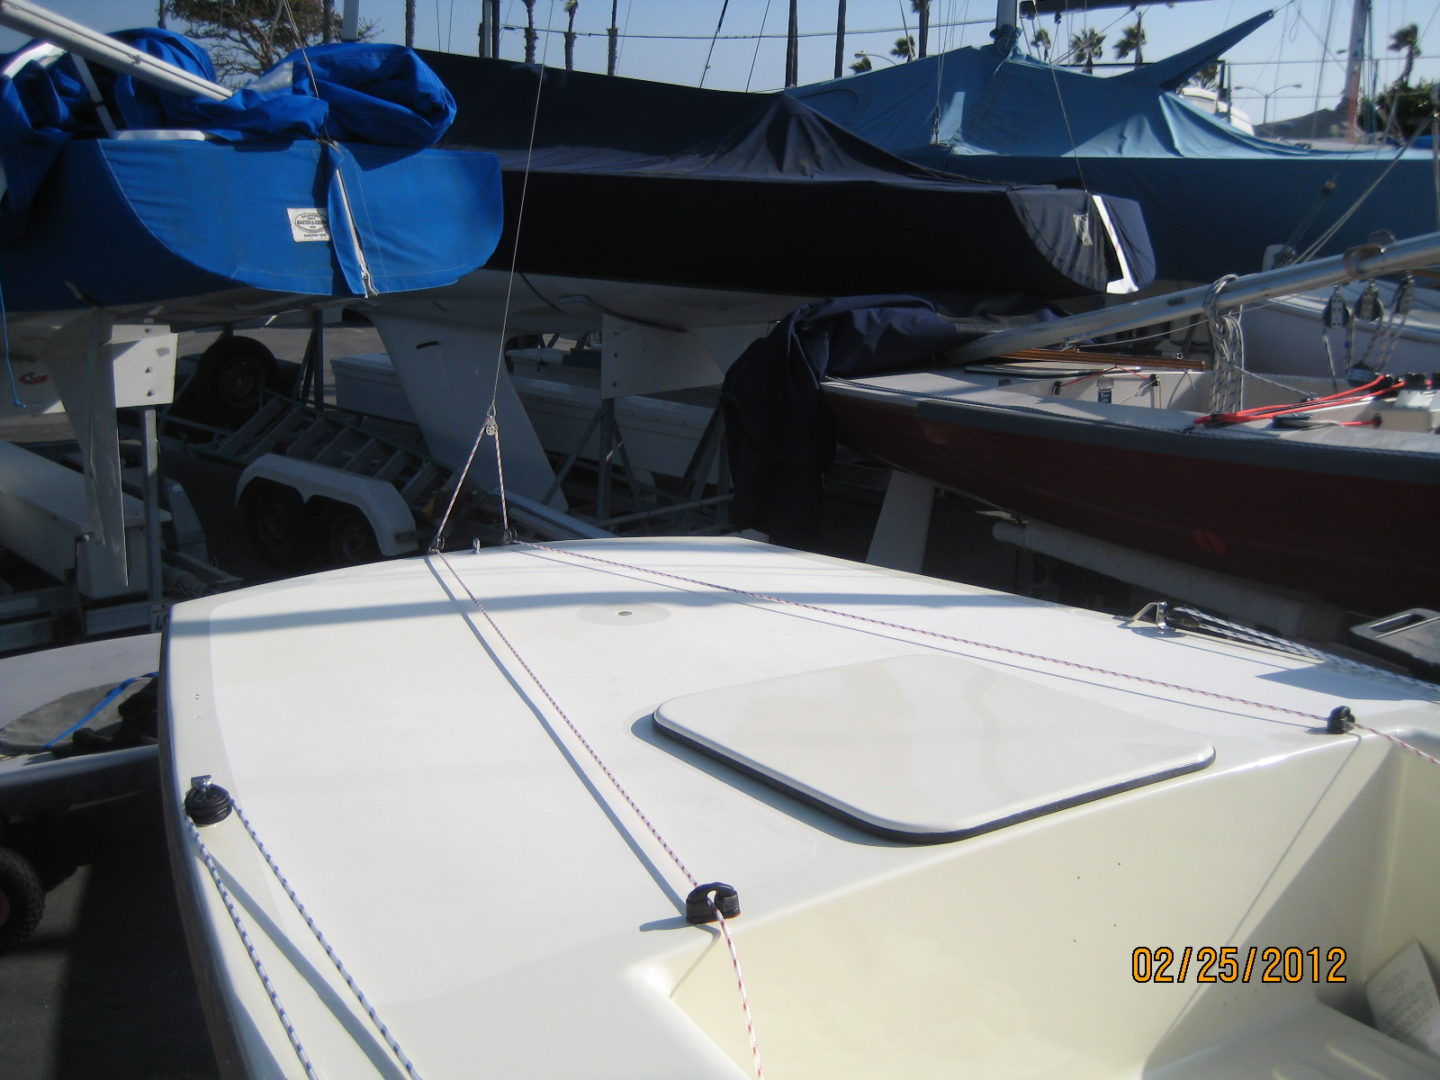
705 900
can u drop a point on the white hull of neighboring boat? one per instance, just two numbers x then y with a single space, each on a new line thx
445 347
36 780
1287 336
429 752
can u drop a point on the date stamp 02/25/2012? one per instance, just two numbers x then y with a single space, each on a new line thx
1234 964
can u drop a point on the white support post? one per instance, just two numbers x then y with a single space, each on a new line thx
903 527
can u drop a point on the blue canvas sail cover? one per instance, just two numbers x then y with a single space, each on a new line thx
1213 195
351 92
984 101
631 179
316 165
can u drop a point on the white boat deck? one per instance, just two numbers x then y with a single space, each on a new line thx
428 796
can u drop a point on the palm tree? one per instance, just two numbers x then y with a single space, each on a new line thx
1042 42
862 63
1132 42
1406 40
530 35
570 6
839 38
1087 47
922 9
904 48
613 34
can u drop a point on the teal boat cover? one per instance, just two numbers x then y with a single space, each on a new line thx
1213 196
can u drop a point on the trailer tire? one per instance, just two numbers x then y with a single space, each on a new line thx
22 898
346 536
279 527
231 379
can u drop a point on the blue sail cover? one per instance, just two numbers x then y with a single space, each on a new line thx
268 200
1213 196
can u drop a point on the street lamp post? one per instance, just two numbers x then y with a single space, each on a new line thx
1267 94
875 56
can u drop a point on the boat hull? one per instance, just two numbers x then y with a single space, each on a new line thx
1359 529
494 874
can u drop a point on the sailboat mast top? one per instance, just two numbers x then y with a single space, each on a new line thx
1250 289
39 22
350 21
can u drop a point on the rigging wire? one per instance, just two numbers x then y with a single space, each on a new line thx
490 427
5 346
724 6
559 711
755 53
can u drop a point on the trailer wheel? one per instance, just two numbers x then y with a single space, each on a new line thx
346 536
22 898
278 524
232 377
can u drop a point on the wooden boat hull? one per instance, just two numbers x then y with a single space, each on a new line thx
1359 529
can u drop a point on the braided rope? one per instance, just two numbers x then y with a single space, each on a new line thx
244 934
350 982
1254 636
954 639
1227 341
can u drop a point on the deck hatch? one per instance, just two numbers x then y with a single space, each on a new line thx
930 748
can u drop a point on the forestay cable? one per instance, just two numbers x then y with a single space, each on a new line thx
491 425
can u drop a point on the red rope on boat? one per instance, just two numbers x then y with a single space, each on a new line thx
1376 387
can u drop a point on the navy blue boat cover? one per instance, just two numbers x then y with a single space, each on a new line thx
779 436
759 191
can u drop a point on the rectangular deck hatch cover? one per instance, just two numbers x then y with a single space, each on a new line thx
930 748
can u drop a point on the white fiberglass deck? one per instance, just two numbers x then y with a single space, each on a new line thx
507 913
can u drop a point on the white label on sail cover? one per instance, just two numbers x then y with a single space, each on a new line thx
1082 229
308 223
1402 997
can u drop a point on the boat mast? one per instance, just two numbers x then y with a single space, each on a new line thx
74 37
350 21
1354 62
792 46
1251 289
1007 22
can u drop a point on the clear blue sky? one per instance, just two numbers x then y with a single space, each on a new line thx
669 40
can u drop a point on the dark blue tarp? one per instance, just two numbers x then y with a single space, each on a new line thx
779 437
630 179
1214 197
